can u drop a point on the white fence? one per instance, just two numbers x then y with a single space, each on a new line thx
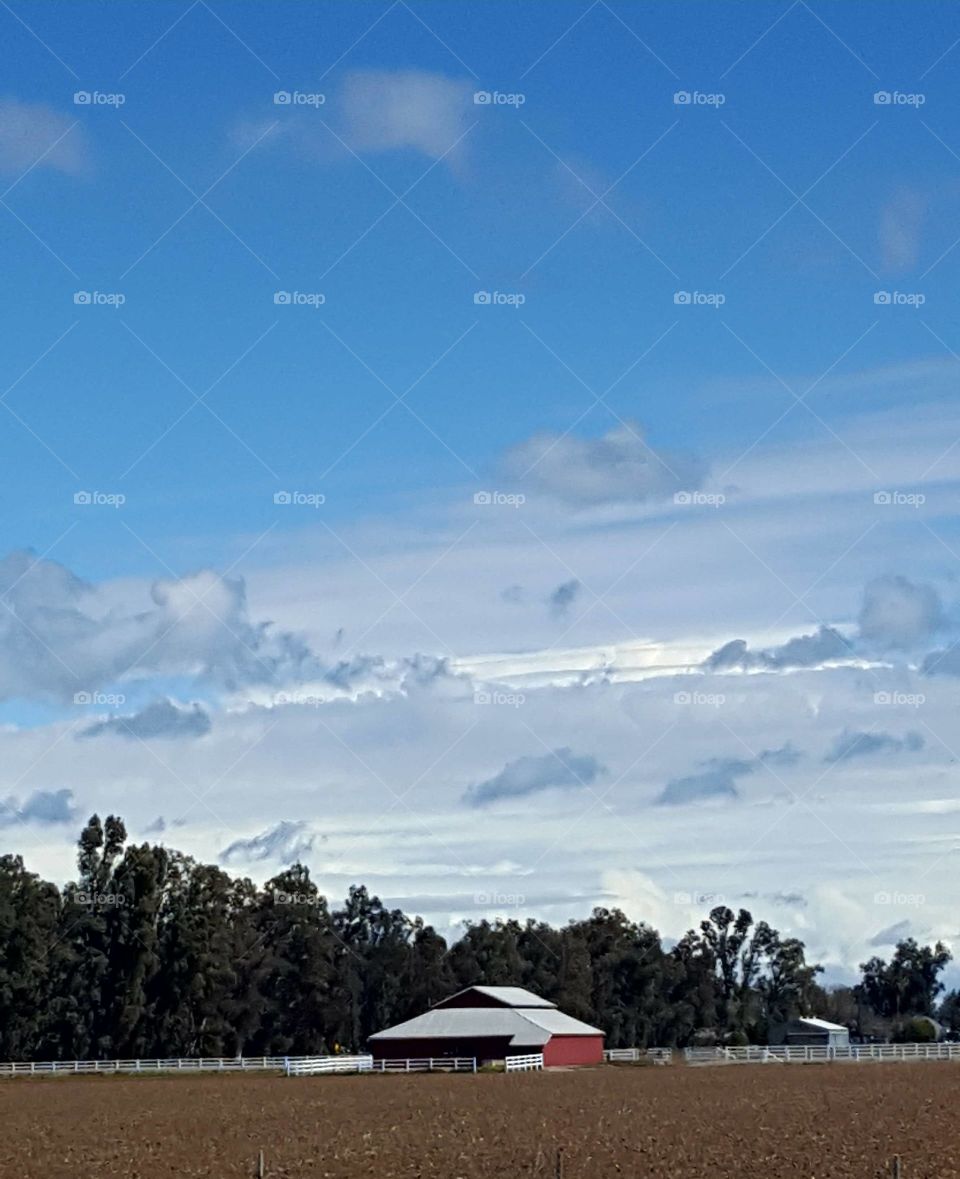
522 1064
811 1054
207 1064
620 1055
427 1064
308 1066
293 1066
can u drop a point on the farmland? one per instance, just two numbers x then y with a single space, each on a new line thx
767 1122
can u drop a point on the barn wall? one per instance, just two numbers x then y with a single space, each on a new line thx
568 1050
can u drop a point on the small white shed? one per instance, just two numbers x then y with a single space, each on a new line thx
820 1032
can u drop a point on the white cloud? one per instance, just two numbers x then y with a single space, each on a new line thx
386 110
29 131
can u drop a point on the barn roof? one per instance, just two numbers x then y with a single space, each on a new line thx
526 1027
508 996
823 1024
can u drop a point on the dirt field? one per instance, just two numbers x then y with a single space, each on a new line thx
758 1122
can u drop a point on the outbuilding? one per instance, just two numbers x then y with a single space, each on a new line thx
814 1032
491 1023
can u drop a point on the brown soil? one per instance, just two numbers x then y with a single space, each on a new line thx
755 1122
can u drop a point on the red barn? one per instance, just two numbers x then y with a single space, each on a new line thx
491 1023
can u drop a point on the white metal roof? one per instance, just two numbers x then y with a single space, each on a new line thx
823 1024
524 1027
508 996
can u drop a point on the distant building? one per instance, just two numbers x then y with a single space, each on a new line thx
491 1023
818 1033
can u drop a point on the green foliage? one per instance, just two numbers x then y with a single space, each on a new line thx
149 953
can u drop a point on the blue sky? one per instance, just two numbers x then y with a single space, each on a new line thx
667 278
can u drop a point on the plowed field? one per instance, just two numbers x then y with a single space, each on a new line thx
753 1122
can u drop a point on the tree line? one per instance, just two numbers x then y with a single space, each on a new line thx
150 953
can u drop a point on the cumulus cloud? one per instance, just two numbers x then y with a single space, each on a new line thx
718 777
824 646
386 110
850 745
286 842
564 596
618 467
33 134
160 718
896 613
530 775
58 637
44 807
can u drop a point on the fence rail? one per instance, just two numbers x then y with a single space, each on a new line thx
57 1068
308 1066
427 1064
521 1064
620 1055
811 1053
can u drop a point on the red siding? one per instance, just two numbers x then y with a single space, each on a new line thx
560 1050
